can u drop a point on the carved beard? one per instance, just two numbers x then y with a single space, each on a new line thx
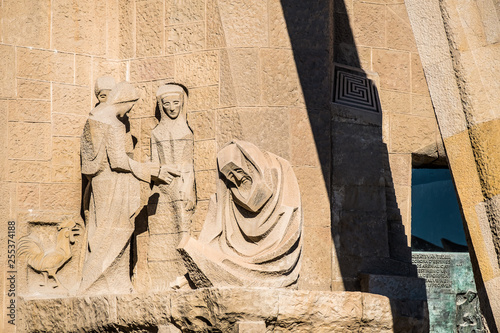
252 196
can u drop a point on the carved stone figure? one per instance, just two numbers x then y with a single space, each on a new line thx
114 200
48 262
103 86
252 235
172 204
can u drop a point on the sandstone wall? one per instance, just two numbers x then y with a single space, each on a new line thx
257 71
376 37
380 39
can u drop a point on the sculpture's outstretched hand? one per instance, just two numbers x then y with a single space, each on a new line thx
167 174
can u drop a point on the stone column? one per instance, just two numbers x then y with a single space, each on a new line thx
458 52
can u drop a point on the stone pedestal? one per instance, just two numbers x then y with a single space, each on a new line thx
226 310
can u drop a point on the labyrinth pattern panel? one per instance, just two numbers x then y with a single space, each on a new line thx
352 88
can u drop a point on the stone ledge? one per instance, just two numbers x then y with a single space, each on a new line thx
218 310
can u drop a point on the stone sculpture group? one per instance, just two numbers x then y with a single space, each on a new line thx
252 235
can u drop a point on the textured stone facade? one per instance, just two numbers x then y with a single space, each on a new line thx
256 71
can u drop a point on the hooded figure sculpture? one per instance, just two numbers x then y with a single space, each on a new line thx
171 204
252 235
106 151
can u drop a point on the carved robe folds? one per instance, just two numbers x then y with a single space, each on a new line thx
114 196
172 203
252 233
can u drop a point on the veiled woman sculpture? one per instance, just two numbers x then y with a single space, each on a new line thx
172 203
106 151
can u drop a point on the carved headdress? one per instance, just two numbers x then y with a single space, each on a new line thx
123 92
104 83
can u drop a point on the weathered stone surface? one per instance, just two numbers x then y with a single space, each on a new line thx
65 151
418 82
41 310
278 34
60 197
393 68
185 38
83 70
421 105
202 124
317 262
4 137
26 23
91 313
399 33
315 198
394 287
280 81
197 69
144 107
148 69
29 111
121 35
8 68
303 138
220 309
65 174
33 89
369 25
184 12
400 169
308 24
67 124
162 247
228 126
149 28
357 154
29 171
205 153
29 141
268 128
79 27
71 99
250 327
205 183
199 216
135 310
203 98
411 133
242 76
28 196
45 65
215 32
245 23
395 101
116 69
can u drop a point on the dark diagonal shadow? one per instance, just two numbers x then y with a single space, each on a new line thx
366 225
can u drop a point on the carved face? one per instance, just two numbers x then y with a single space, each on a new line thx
241 180
247 186
172 104
103 95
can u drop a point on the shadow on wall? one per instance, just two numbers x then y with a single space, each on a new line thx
366 225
